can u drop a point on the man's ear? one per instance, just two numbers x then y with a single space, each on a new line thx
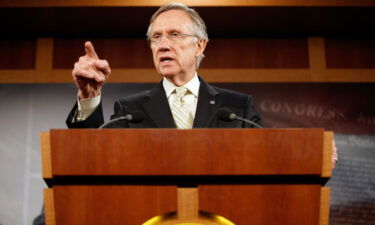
201 47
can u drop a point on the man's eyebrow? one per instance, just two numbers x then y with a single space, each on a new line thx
168 31
155 32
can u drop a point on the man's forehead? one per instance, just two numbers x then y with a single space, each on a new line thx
172 20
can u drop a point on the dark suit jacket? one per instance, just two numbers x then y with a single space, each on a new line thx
154 104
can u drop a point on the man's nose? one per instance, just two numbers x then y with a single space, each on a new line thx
164 44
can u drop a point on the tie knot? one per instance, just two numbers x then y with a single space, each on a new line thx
181 91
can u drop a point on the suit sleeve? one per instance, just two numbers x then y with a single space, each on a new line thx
118 112
251 114
93 121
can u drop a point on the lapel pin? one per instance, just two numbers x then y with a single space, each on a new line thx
212 102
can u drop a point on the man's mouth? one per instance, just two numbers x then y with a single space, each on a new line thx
166 59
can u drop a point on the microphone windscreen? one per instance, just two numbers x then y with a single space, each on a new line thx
225 114
137 116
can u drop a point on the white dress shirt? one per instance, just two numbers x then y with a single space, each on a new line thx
86 107
191 97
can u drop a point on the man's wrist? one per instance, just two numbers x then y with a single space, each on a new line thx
86 107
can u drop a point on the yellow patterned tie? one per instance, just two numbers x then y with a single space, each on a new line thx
181 114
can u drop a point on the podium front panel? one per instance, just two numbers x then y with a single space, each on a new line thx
187 152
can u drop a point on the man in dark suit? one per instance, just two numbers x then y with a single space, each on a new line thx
177 37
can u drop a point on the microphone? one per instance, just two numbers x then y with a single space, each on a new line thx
226 114
135 117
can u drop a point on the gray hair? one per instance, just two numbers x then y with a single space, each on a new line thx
199 27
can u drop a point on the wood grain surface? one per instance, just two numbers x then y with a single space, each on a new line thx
263 204
112 205
187 152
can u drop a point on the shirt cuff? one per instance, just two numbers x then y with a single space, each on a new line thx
86 107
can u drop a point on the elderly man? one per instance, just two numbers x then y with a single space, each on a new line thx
177 37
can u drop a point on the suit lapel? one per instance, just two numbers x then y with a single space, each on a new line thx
207 105
157 108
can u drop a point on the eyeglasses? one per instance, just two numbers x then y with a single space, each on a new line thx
172 38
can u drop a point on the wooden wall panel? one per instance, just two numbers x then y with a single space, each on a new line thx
17 54
121 53
220 53
312 59
350 53
256 53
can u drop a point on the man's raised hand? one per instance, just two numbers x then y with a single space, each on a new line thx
90 73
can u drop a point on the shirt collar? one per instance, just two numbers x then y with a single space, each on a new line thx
192 86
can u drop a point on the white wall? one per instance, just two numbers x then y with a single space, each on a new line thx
25 111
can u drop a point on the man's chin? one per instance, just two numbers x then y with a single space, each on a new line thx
167 73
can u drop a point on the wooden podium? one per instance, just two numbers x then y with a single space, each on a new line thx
187 177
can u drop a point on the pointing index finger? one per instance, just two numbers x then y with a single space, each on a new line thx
90 51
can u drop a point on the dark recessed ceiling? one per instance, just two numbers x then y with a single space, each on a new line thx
221 21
